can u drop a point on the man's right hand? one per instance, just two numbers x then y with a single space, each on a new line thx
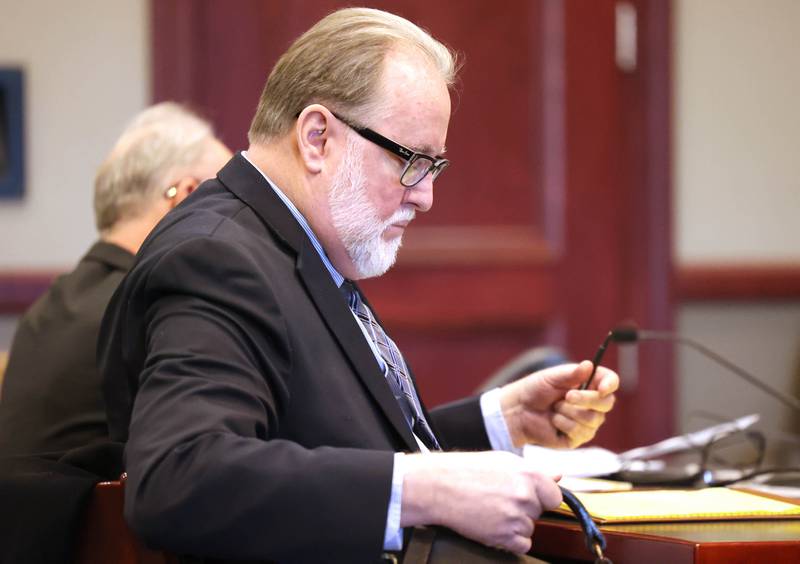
490 497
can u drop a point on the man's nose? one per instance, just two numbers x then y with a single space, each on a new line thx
421 195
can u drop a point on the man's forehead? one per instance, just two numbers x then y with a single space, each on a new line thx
417 103
415 129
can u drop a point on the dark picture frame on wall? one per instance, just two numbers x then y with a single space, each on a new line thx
12 157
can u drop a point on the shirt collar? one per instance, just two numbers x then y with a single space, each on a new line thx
337 277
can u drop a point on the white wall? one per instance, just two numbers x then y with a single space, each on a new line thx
86 68
737 130
737 193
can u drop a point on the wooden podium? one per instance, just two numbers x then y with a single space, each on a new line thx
707 542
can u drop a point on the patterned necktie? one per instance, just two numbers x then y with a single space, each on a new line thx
395 371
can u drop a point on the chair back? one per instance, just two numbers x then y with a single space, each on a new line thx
531 360
105 536
3 364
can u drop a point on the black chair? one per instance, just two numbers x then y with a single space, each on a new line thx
528 361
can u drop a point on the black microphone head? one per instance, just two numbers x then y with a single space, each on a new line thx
625 334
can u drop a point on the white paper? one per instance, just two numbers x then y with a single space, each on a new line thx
579 462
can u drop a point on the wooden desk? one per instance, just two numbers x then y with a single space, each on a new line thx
719 542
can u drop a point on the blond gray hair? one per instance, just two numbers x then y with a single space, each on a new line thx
339 61
160 143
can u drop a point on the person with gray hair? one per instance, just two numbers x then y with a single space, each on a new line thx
51 400
267 413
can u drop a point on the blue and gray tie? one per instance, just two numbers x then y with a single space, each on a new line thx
395 371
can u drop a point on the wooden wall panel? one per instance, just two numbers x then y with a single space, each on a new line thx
644 165
618 260
738 282
218 59
18 290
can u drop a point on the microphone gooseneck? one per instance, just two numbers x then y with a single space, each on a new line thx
625 334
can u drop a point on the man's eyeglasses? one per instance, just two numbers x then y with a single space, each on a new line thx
418 165
724 459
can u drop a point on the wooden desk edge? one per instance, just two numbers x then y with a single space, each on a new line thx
557 538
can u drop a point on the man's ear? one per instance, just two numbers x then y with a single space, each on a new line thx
182 188
313 135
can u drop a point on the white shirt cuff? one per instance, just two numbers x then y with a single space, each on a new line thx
495 423
393 538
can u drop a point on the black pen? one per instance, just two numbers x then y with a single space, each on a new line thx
598 356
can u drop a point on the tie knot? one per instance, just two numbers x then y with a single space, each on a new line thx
349 292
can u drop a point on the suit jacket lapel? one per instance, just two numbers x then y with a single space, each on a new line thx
250 186
340 320
426 413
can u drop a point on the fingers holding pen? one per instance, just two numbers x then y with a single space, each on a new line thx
587 400
605 381
580 415
608 381
573 433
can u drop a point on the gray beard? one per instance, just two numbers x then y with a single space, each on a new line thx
356 219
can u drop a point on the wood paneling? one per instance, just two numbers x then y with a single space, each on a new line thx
413 298
738 282
696 282
644 232
19 289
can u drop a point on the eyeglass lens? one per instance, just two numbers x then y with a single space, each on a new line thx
417 168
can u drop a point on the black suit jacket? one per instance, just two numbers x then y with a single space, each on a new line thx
51 400
261 425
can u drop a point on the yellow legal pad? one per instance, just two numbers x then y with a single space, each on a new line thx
710 504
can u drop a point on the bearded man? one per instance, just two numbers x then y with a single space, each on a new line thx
267 414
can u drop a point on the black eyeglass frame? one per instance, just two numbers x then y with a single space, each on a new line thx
436 166
703 476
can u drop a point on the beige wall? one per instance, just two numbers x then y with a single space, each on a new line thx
86 68
737 130
737 193
764 339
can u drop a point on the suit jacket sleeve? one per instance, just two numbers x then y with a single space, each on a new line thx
208 472
460 425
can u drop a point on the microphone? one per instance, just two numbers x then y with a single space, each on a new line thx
628 334
621 334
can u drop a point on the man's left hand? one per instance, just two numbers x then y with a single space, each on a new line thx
546 408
